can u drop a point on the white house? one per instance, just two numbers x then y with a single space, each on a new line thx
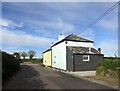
60 53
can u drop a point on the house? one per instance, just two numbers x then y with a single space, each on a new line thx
47 57
74 53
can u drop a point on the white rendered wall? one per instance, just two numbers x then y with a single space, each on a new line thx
83 44
59 56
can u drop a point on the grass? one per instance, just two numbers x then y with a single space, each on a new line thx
108 79
37 61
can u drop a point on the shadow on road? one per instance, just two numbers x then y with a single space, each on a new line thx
26 78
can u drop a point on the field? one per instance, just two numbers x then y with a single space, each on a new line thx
38 61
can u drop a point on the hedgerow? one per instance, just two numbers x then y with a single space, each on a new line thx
108 67
10 65
39 61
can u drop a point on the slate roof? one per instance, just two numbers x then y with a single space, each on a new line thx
73 37
83 50
47 50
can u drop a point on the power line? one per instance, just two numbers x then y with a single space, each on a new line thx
101 16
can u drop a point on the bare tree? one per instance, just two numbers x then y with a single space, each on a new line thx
31 54
24 54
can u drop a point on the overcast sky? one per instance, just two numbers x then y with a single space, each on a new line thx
33 26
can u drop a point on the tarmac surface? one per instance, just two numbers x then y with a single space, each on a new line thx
90 76
37 77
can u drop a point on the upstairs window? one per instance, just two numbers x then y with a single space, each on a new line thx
86 58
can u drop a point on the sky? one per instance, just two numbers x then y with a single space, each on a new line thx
34 26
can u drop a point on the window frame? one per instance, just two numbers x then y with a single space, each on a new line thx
88 57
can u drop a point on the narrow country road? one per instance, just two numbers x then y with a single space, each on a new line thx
33 76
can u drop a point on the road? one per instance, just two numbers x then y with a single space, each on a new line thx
37 77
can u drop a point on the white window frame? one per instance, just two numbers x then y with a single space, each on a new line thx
88 56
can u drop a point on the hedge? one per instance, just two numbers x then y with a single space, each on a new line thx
10 65
39 61
108 67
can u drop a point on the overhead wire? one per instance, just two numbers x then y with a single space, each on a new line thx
100 17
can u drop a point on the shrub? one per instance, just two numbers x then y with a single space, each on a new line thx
108 67
10 65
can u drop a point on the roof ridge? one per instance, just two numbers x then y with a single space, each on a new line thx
73 37
77 37
68 36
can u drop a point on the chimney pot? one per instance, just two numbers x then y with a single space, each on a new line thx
99 49
52 43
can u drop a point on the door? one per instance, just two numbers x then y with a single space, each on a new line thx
78 62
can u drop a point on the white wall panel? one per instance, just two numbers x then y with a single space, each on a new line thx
83 44
59 56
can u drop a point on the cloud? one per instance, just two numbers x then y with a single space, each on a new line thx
9 23
58 25
47 10
50 15
50 11
49 27
17 39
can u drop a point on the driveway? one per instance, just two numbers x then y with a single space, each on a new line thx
83 73
33 76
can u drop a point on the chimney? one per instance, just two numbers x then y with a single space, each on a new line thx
89 49
99 50
60 37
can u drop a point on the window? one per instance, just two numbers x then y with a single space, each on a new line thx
86 58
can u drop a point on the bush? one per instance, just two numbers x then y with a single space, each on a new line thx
10 65
108 67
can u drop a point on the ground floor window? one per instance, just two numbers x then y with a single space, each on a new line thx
86 58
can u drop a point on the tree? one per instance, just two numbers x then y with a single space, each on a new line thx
17 55
31 54
24 54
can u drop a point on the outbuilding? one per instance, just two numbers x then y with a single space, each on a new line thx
47 57
82 58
